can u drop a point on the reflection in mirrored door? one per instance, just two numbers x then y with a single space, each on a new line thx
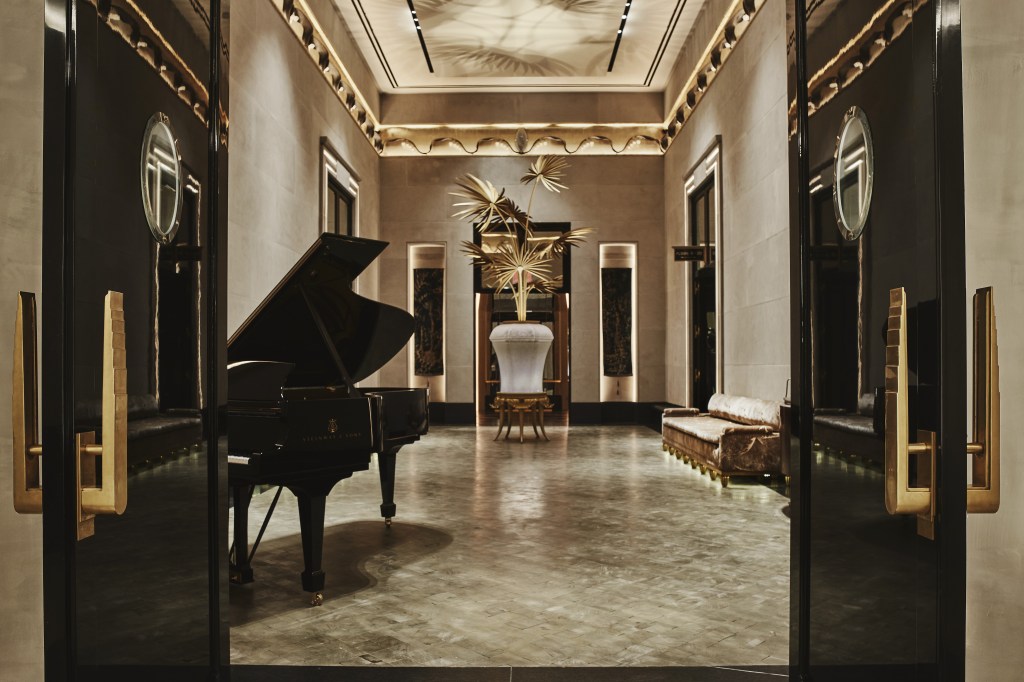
132 316
879 374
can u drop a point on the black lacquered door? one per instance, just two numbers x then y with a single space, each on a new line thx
877 189
134 178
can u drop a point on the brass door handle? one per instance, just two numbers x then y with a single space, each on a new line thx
103 486
983 450
902 496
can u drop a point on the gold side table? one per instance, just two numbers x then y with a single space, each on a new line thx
533 404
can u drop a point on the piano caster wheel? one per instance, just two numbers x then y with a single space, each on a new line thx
318 599
387 522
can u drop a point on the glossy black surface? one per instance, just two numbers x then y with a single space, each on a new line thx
873 598
115 598
314 320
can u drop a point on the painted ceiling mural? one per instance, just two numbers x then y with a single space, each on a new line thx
519 44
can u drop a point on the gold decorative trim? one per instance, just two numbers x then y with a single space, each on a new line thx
303 24
731 30
508 140
512 139
857 56
127 19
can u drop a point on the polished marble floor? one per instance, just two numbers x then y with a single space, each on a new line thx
594 549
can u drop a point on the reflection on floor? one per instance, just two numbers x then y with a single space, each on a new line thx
596 549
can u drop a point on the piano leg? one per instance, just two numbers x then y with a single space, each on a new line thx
240 570
386 464
311 522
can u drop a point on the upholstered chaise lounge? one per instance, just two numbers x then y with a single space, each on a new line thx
737 437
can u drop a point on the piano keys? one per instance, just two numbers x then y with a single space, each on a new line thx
295 415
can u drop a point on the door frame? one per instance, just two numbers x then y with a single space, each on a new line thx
60 42
708 165
947 105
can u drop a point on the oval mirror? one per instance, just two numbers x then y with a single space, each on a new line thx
854 173
162 181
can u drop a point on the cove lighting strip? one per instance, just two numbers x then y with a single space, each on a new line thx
858 55
504 139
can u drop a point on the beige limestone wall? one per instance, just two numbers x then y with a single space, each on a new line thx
620 197
746 105
280 108
993 40
21 176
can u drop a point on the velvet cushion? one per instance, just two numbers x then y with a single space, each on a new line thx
850 423
707 429
746 450
745 410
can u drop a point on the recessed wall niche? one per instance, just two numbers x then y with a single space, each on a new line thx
618 338
426 285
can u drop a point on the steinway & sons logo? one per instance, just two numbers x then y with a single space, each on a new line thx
332 425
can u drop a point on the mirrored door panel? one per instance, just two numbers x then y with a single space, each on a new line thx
130 272
871 273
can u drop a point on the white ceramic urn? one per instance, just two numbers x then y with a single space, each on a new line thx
521 348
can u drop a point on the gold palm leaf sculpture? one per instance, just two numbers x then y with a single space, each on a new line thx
519 262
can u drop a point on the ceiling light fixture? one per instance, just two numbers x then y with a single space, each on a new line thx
419 34
618 35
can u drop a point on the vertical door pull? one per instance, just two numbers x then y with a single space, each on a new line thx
983 450
103 484
902 496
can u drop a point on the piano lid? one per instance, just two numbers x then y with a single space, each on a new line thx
314 320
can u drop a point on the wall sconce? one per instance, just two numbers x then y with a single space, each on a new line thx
730 37
748 10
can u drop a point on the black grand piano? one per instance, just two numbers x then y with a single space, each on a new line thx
295 416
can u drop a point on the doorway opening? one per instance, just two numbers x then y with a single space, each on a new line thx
702 286
702 253
550 309
178 308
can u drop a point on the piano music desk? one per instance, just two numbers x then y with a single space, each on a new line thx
533 404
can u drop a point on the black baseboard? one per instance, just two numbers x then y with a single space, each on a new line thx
647 414
452 414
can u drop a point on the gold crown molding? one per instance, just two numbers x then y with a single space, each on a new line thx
734 25
128 20
517 140
303 24
522 138
857 56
